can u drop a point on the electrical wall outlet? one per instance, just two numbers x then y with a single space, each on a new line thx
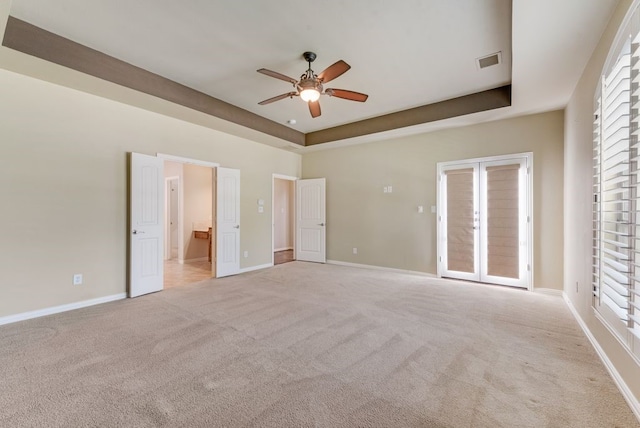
355 250
77 279
246 254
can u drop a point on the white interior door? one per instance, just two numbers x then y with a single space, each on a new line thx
484 227
227 222
146 220
311 220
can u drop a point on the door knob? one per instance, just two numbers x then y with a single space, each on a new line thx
135 232
321 224
237 226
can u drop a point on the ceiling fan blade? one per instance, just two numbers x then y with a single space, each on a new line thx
277 75
278 98
314 108
347 95
333 71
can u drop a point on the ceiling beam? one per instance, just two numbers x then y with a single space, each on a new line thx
473 103
29 39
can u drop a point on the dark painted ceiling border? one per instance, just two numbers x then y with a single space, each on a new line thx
29 39
474 103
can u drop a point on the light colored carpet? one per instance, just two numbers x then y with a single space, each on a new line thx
302 345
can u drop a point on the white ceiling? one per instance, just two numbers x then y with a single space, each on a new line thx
403 53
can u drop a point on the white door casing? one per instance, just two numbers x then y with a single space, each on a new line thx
311 220
146 220
227 222
497 235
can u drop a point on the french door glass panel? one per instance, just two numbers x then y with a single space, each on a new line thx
460 222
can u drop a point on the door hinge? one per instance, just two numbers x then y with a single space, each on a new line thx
528 219
440 258
528 170
529 268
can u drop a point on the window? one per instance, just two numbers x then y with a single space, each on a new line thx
616 188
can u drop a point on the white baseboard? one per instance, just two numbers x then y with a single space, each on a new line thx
388 269
283 249
62 308
549 291
252 268
631 400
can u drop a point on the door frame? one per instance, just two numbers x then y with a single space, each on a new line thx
273 214
167 211
190 161
528 199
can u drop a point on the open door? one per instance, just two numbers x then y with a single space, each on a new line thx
311 220
227 222
147 223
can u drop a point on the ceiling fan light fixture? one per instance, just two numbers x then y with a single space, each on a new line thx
310 85
310 89
310 95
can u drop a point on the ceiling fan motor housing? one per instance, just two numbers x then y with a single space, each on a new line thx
310 83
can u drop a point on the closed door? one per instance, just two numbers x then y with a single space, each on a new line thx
311 220
484 221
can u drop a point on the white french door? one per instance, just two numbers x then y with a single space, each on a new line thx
311 220
227 222
484 220
147 222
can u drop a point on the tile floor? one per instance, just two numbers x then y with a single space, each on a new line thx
176 274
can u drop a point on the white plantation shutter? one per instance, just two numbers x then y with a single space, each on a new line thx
597 236
616 188
633 300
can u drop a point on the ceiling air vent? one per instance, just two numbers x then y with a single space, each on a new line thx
489 60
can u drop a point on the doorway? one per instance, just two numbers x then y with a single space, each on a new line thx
188 223
283 195
147 227
484 220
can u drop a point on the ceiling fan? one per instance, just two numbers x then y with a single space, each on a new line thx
309 87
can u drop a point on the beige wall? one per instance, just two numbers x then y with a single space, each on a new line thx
577 205
387 228
197 209
63 158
